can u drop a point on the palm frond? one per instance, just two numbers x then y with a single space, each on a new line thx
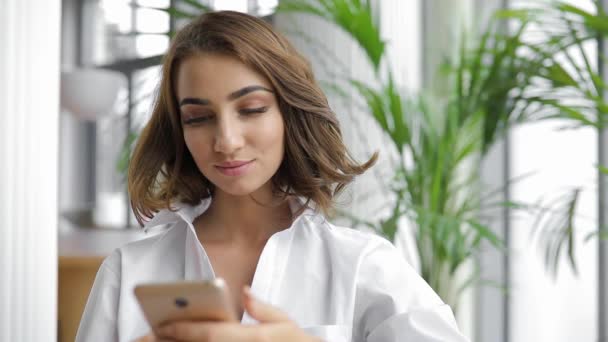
353 16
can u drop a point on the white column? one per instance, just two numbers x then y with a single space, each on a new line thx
491 302
29 107
443 23
602 285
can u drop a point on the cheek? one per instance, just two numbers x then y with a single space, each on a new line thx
271 135
196 143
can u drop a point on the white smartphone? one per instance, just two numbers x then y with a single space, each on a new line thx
193 301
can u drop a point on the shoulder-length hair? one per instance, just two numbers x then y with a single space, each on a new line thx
316 164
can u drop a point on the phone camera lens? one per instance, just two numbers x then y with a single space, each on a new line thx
181 302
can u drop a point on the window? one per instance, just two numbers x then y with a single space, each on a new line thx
130 37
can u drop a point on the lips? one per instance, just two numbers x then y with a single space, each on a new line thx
234 168
235 163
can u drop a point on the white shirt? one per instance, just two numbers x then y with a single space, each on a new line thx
336 283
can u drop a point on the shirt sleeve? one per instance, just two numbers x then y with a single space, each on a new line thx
98 322
393 303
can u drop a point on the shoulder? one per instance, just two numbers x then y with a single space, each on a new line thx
378 260
158 243
357 244
367 241
144 244
345 235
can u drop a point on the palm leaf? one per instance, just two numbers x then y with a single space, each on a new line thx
353 16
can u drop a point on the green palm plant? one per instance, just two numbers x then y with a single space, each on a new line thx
496 80
435 144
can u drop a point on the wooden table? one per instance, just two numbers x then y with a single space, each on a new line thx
81 252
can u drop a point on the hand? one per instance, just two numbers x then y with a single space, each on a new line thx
274 326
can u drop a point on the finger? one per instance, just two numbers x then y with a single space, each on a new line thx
204 331
264 313
151 338
147 338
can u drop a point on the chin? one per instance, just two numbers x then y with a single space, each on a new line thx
238 189
244 188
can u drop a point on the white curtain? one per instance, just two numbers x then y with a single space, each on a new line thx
29 107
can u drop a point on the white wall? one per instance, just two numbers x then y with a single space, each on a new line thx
29 102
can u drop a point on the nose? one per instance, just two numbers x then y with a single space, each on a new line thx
229 136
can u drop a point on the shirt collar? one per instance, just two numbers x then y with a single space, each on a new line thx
182 212
186 212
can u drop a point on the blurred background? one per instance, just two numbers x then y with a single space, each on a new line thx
489 117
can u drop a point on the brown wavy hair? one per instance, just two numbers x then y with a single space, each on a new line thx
316 164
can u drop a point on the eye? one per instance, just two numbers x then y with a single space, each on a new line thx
193 120
249 111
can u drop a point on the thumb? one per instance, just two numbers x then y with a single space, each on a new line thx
262 312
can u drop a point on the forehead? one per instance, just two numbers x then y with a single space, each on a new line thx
215 75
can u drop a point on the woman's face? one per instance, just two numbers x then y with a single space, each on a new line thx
231 122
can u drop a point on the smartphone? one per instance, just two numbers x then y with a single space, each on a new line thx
193 301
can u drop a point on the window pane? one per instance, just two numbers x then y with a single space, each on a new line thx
117 13
233 5
266 7
151 21
151 45
104 26
110 27
154 3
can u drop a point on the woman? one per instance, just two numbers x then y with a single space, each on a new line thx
243 156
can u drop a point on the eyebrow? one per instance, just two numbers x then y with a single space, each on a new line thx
231 97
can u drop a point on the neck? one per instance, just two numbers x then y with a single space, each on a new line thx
249 218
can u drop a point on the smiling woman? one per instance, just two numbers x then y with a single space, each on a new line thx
243 157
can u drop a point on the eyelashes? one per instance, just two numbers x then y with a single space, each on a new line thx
204 118
196 120
247 111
